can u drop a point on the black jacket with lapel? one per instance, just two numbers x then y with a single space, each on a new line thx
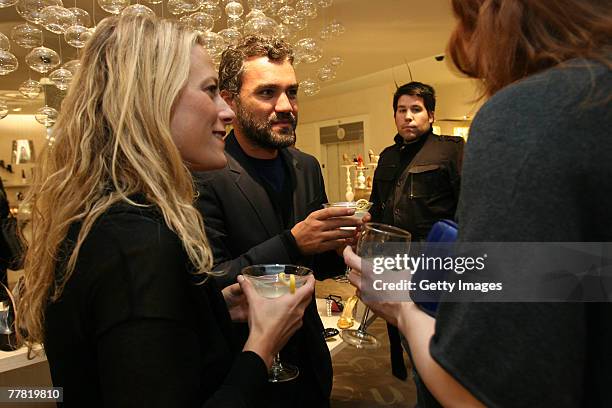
243 229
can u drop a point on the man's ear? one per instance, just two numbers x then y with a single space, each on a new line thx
228 97
432 116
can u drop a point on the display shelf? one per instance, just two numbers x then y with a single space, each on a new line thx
11 360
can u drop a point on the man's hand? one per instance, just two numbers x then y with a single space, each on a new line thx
321 232
236 302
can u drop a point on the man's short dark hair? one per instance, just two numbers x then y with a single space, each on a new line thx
417 89
231 67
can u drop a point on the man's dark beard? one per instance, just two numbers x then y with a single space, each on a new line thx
261 133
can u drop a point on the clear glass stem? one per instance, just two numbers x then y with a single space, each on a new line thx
363 325
276 363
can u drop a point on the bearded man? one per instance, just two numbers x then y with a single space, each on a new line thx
266 205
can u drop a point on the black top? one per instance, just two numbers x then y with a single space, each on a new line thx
537 169
417 184
274 176
131 329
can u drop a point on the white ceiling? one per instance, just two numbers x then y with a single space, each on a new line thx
380 34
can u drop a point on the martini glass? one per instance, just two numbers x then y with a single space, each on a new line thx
375 240
361 208
272 281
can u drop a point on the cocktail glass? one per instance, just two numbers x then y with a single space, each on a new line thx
272 281
361 208
373 242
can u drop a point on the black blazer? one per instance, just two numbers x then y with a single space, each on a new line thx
243 229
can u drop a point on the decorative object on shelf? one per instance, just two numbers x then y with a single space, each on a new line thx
349 195
23 151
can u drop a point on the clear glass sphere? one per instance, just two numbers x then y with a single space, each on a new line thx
175 7
286 32
27 35
261 26
46 116
306 8
286 14
5 44
113 6
42 59
337 28
299 22
81 15
234 9
7 3
336 61
4 109
137 10
30 88
77 35
72 66
8 62
212 10
262 5
231 36
213 43
31 10
57 19
235 23
310 87
307 50
201 22
190 6
325 34
254 13
326 73
61 78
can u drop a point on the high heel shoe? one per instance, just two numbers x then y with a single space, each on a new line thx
347 318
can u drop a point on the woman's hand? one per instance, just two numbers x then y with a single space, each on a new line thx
272 322
392 312
236 302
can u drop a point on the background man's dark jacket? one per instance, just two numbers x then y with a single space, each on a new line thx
415 195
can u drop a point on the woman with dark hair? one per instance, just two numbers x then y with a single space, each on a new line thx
537 168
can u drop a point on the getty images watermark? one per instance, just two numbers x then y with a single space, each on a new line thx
488 272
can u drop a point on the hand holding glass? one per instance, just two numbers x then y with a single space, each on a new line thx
374 242
273 281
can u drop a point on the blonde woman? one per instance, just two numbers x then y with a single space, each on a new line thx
116 274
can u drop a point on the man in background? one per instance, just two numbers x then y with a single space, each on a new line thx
416 182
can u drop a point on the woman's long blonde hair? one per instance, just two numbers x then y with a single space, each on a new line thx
112 139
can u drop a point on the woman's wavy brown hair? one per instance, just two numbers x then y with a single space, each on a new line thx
112 140
502 41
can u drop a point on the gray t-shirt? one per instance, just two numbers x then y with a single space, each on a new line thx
538 168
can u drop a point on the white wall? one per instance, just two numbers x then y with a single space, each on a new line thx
373 96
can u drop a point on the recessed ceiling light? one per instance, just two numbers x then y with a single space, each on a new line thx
17 110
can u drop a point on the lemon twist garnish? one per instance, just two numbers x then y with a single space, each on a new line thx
282 277
362 204
292 283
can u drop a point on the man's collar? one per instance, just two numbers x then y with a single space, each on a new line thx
400 140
